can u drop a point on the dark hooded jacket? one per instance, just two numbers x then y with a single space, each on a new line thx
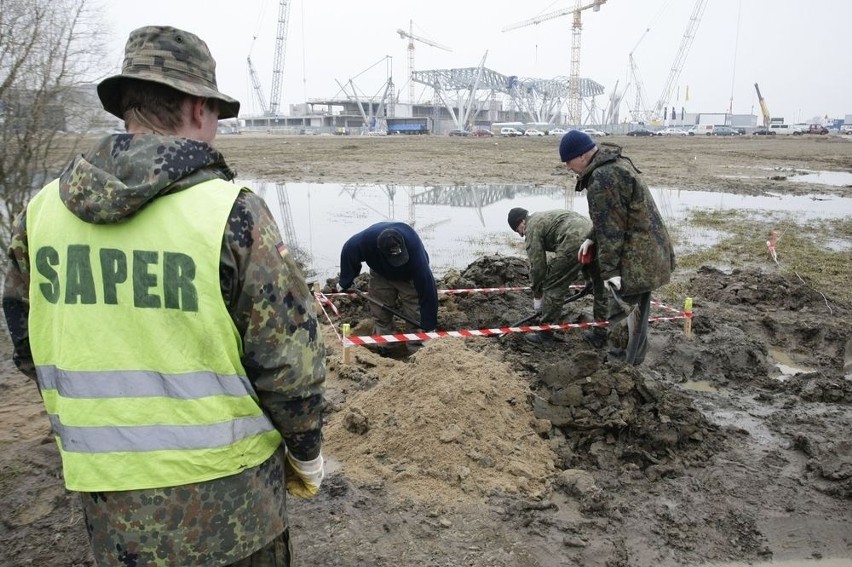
629 233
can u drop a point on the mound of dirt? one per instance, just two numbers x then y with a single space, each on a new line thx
449 423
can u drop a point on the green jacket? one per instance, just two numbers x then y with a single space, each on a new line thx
558 231
629 233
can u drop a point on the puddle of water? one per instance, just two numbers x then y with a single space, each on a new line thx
837 244
460 224
699 386
788 367
833 178
735 418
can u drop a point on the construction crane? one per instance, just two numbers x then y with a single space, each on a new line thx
574 99
680 58
763 108
640 107
277 65
411 39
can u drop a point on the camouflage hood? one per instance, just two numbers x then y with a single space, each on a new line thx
125 172
607 152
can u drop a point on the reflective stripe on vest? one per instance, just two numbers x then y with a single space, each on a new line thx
138 359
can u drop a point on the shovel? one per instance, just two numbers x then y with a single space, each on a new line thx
570 299
387 308
637 324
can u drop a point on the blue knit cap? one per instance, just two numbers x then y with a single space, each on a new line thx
574 143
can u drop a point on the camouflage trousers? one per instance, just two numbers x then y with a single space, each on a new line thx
390 292
562 271
277 553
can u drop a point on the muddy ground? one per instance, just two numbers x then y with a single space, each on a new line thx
731 444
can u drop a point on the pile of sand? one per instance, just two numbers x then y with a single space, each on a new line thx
450 422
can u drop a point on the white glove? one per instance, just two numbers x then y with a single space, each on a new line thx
304 477
584 250
337 287
537 305
613 282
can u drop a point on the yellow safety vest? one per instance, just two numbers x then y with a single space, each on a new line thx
138 360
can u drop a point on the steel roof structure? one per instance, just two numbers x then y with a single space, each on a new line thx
543 100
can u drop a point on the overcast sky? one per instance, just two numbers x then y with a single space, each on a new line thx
796 50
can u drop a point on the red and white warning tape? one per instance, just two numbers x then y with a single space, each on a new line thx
403 337
352 340
458 291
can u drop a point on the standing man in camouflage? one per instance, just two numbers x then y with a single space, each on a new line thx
169 331
634 251
560 232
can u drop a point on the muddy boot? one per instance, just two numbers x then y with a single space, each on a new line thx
616 355
595 336
540 337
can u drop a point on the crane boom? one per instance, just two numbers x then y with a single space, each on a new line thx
278 60
404 34
680 57
255 83
551 15
411 39
272 108
574 95
763 108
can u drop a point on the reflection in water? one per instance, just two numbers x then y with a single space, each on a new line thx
834 178
459 224
285 222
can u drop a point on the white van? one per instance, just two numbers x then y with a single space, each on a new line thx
785 129
510 132
700 129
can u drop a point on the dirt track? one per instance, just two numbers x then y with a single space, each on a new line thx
494 452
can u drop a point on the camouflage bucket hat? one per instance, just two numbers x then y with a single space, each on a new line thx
172 57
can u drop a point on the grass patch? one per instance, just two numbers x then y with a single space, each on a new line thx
801 247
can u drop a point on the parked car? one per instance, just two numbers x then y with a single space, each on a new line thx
533 132
459 133
763 132
556 132
593 132
700 130
817 129
511 132
724 131
672 132
482 132
640 132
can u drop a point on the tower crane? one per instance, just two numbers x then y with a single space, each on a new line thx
574 99
411 39
763 108
680 58
277 64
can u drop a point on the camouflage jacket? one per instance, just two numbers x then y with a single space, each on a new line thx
558 231
270 305
630 236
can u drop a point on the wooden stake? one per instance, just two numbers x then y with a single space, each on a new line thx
316 289
687 323
346 347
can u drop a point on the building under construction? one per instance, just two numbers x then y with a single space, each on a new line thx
462 98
